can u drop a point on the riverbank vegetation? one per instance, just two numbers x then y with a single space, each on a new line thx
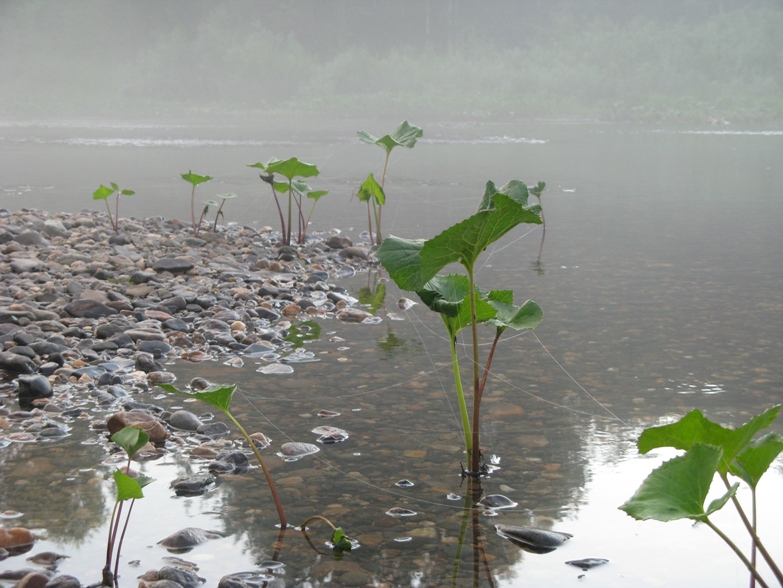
698 60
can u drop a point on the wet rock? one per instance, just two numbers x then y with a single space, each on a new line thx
175 265
213 430
294 451
64 581
193 485
22 265
15 538
587 563
13 362
183 577
85 308
230 462
497 502
46 558
185 420
531 539
33 388
33 580
360 252
188 538
142 420
338 242
352 315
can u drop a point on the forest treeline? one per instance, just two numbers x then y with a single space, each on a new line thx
605 59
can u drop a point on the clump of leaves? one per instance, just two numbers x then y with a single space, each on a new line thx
219 213
103 193
220 397
679 487
194 180
297 189
131 439
414 266
371 191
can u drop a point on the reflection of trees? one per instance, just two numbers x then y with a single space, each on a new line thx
56 487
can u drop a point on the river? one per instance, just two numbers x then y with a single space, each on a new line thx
661 280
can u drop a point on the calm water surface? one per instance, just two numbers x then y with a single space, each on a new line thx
661 280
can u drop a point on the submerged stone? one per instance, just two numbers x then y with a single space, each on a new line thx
587 563
531 539
187 538
497 502
295 451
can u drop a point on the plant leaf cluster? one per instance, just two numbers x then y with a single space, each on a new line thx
130 439
414 265
371 192
679 488
295 187
103 193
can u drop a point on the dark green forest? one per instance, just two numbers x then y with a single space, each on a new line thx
696 60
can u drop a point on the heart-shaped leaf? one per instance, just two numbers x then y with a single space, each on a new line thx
131 439
404 135
695 427
195 179
127 487
102 193
371 190
215 395
678 488
752 463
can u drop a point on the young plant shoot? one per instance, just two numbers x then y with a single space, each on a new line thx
414 266
220 397
103 193
292 170
131 439
371 191
678 488
194 180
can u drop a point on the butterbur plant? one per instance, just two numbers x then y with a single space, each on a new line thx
103 193
129 488
371 191
679 487
194 180
295 187
219 213
220 397
414 266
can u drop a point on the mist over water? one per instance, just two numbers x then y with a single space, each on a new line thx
700 60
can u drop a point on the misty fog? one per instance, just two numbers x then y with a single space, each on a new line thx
601 59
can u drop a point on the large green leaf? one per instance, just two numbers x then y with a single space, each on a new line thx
449 296
288 168
195 179
695 427
127 487
678 488
520 318
752 463
317 194
402 259
131 439
465 241
405 135
371 190
217 395
412 263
